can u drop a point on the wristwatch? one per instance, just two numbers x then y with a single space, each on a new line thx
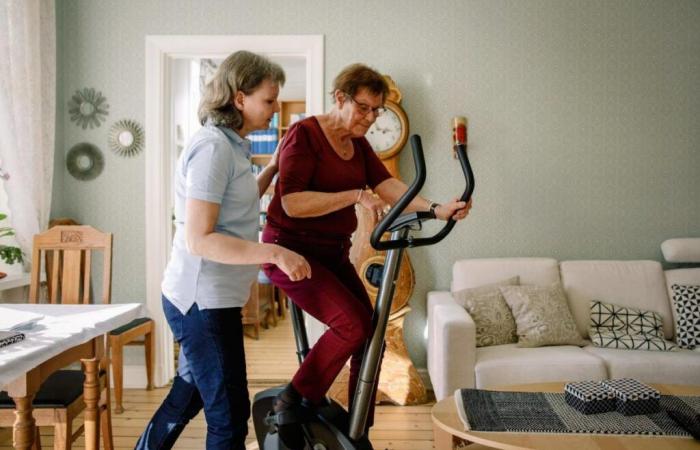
433 207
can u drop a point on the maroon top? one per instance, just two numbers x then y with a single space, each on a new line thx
309 163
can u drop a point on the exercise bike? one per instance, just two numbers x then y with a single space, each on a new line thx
330 426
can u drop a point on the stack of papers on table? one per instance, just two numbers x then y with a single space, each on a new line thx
13 320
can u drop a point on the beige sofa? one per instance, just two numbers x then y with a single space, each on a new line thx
455 362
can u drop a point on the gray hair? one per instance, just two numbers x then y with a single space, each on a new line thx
242 71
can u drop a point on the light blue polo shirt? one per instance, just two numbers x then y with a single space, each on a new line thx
215 168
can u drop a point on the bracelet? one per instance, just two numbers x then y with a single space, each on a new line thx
433 207
359 194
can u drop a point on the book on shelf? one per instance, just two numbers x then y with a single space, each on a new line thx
263 142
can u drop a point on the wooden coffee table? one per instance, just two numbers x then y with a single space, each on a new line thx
449 430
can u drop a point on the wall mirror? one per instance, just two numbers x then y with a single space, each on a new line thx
88 108
126 138
85 161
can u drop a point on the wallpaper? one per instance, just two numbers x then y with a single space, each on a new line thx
583 128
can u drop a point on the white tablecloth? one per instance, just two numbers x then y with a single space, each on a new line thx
61 328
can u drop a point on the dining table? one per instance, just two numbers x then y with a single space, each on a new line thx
56 336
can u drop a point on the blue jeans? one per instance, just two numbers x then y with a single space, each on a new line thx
211 375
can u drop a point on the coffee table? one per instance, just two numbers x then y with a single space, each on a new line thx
449 431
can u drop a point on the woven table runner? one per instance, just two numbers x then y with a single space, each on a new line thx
545 412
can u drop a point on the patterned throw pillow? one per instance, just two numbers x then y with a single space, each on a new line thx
494 321
619 339
622 318
686 301
542 315
614 326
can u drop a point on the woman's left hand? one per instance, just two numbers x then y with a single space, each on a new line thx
455 209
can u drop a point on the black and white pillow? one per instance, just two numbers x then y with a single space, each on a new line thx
615 326
686 301
621 318
622 339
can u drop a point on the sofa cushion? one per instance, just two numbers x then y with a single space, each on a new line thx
680 276
636 284
619 339
542 315
502 365
469 273
682 250
607 317
681 367
686 303
494 321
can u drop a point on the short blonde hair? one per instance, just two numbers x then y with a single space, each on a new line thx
242 71
356 76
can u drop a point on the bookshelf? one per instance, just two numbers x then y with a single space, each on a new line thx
262 300
288 109
289 113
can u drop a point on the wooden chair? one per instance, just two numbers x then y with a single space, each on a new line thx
259 309
69 250
118 338
280 303
128 335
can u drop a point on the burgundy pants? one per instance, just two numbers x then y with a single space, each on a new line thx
335 296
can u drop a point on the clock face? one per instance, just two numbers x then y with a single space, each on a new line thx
386 132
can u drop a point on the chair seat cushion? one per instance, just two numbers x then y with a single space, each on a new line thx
59 390
133 324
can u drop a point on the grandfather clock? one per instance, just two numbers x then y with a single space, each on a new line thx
399 381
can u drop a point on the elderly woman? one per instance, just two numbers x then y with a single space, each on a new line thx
215 255
326 165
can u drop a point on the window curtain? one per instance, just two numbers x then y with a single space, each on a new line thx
28 112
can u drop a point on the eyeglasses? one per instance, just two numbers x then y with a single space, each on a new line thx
364 108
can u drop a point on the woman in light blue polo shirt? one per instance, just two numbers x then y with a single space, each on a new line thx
215 255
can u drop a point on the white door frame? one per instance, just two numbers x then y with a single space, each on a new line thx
160 52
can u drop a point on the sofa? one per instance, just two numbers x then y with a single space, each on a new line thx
455 362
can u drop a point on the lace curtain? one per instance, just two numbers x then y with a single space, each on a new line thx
28 112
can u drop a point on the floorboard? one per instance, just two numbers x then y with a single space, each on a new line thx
271 360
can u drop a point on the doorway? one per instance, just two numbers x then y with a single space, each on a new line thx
164 58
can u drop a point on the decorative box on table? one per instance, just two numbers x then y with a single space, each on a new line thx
633 397
589 397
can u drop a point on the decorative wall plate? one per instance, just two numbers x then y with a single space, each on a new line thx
85 161
88 107
125 138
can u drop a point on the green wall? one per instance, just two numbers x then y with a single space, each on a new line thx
583 116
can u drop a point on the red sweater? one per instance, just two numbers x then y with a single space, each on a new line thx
309 163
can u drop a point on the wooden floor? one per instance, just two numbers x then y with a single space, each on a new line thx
271 361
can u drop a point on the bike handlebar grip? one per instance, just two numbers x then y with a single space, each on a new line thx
404 201
410 194
461 151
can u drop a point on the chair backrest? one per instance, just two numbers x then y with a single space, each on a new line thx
68 250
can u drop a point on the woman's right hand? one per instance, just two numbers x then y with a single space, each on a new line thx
295 266
374 204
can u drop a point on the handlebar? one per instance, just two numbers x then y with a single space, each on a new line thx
410 194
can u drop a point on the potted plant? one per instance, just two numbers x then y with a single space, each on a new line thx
8 253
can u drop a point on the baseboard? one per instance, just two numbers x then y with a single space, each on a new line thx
423 373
